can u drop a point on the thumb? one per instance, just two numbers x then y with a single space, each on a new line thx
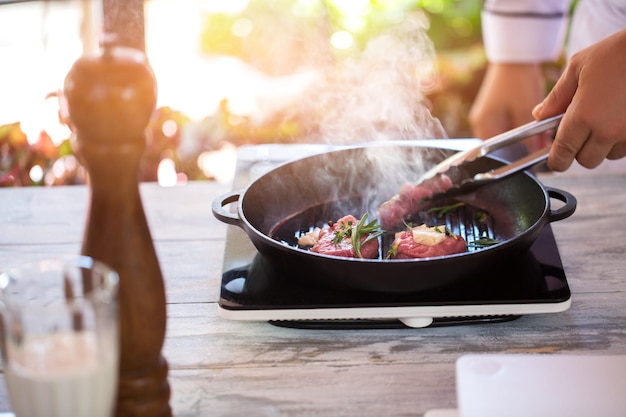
560 97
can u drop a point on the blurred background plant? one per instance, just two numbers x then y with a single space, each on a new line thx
238 72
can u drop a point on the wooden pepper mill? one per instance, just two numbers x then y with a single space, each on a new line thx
110 98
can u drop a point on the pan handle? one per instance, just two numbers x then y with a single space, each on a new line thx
225 216
564 211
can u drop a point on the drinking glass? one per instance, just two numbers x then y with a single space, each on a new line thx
59 337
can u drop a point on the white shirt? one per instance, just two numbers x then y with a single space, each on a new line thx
535 30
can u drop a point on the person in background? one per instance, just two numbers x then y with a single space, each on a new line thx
519 36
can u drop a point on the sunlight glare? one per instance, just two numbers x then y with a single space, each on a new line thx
219 164
242 27
354 23
302 8
33 64
169 128
36 173
166 173
352 7
341 40
224 6
394 15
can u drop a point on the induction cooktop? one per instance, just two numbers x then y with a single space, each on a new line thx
252 290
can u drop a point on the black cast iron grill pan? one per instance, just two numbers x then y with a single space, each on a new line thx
357 180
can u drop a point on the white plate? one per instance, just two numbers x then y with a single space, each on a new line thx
539 386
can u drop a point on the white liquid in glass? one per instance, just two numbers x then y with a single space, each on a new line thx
61 375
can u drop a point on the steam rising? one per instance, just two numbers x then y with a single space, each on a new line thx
380 95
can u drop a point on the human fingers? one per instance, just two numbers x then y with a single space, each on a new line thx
600 146
561 95
569 139
593 152
617 152
576 140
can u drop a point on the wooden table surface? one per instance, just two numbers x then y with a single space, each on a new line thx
221 367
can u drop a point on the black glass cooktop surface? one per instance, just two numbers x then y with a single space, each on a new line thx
535 278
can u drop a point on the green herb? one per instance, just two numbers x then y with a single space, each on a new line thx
450 233
443 210
483 242
345 230
393 251
482 217
355 232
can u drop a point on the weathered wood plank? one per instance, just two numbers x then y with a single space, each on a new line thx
58 214
191 269
196 337
228 368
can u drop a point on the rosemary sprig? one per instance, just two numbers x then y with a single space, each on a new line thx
355 232
372 230
443 210
446 231
483 242
393 251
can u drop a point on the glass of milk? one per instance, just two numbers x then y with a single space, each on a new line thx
59 338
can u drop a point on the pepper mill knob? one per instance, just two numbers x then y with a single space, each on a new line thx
110 98
111 95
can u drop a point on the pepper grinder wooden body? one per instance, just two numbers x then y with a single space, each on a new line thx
110 98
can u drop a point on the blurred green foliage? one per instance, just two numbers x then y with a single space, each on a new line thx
280 37
267 30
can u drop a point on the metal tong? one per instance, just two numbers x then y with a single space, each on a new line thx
466 178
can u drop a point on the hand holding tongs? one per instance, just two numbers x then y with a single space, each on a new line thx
461 160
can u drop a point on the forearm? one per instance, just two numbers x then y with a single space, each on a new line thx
506 98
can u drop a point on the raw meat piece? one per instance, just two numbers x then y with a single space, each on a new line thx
426 242
330 243
410 200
